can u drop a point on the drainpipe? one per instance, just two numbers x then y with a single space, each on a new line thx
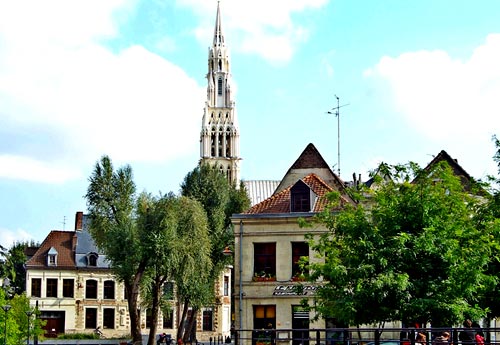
241 272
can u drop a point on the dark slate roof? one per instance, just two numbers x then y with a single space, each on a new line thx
86 245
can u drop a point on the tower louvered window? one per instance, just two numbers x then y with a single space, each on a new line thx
219 86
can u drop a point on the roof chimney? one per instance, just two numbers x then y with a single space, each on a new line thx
79 221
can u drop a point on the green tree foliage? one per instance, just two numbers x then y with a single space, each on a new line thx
17 320
111 202
488 219
176 235
220 200
411 252
12 263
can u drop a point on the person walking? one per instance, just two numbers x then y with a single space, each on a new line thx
467 336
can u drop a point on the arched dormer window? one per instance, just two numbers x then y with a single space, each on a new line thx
92 259
52 257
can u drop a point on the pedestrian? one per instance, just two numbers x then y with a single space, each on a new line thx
467 336
421 339
443 339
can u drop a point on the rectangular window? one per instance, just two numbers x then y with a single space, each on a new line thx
208 320
51 288
69 288
149 318
264 260
91 318
108 318
36 287
264 316
226 286
168 290
299 250
168 318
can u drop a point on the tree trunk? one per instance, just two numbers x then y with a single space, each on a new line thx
180 326
188 332
135 320
157 284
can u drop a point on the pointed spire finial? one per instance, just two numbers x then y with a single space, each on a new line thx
218 36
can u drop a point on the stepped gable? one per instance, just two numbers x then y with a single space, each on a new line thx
280 202
63 243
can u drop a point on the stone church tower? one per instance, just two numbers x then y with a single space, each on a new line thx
220 137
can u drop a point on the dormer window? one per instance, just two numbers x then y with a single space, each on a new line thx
52 257
92 259
301 197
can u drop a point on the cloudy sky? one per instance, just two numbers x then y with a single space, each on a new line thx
126 78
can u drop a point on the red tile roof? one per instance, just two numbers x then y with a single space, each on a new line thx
62 241
280 202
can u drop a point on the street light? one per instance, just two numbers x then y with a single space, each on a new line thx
6 309
28 314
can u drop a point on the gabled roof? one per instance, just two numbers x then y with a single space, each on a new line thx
457 169
60 241
280 202
310 161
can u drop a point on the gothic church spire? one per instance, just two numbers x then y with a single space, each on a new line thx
219 137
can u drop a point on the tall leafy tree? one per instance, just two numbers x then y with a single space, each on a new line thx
488 219
176 238
413 253
220 199
12 265
111 202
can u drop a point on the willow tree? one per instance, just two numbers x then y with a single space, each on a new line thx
220 200
414 254
178 246
111 202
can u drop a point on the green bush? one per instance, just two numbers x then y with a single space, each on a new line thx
78 336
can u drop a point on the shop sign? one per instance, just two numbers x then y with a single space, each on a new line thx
294 290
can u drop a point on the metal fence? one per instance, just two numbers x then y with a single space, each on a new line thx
358 336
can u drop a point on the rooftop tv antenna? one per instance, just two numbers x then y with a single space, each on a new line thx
336 111
64 223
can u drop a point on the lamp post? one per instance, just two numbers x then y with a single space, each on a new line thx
28 314
6 309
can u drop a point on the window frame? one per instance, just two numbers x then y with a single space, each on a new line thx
36 287
68 288
51 288
108 321
89 288
108 290
264 259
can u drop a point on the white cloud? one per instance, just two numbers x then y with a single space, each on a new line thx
446 97
449 101
58 80
9 237
261 27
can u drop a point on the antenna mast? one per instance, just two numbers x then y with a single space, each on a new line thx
336 112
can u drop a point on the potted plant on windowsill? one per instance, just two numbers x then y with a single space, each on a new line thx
299 277
263 277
